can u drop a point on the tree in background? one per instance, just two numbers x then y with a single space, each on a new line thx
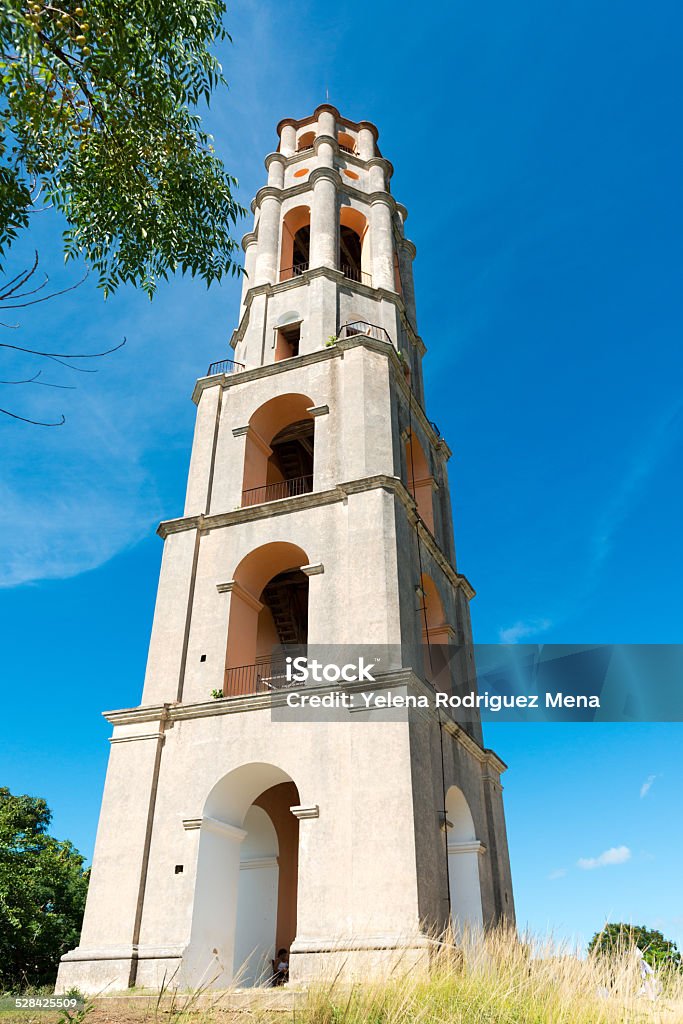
42 893
98 119
620 938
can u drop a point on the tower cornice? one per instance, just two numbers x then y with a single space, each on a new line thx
334 275
311 118
304 187
317 499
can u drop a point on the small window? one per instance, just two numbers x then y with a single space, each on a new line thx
287 341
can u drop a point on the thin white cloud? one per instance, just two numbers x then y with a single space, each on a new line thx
558 873
656 445
522 630
647 786
615 855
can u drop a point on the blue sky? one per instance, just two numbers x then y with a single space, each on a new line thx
538 150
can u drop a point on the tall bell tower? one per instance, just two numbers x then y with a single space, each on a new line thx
317 513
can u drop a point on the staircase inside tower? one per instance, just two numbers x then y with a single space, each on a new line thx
292 458
287 599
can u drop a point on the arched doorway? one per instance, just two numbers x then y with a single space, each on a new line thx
420 481
278 458
247 879
296 243
353 251
464 850
435 632
268 610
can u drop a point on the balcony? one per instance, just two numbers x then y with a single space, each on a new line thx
247 679
224 366
354 274
356 327
274 492
296 271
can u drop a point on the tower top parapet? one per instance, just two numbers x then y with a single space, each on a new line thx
325 113
358 138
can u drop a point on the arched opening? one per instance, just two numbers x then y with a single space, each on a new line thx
247 878
436 633
268 610
464 850
279 451
347 143
354 254
306 141
296 243
420 482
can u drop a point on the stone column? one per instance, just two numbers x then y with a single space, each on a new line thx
324 219
327 123
406 255
366 141
268 238
288 138
377 169
249 245
275 165
325 152
382 245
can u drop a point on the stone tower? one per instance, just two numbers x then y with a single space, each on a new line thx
317 513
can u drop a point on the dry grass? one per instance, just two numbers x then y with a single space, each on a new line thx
498 979
502 980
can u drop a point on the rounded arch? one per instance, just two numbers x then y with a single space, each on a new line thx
463 865
433 605
247 877
346 141
279 450
460 817
230 798
268 610
277 412
435 632
419 479
305 141
354 250
292 316
295 246
258 567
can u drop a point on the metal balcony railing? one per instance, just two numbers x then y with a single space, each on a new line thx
355 327
274 492
356 275
296 271
263 678
224 366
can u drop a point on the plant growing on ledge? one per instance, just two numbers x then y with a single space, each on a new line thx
217 694
332 340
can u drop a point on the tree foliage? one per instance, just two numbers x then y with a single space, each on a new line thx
42 893
98 118
619 938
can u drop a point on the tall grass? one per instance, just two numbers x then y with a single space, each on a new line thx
499 979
